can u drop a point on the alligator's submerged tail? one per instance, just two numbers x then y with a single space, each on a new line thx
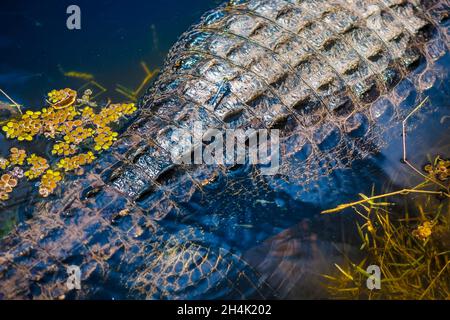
331 74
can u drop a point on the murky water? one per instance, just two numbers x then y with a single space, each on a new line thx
286 240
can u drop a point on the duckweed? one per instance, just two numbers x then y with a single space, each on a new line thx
104 139
440 169
64 149
61 99
423 231
17 156
77 129
7 183
4 163
38 166
17 172
76 162
49 182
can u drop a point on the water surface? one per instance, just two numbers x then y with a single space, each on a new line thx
285 239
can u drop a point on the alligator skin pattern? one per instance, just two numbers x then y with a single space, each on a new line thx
330 74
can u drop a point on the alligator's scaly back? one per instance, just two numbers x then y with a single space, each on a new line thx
331 74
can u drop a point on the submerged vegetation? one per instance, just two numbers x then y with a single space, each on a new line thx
412 250
131 94
134 94
78 128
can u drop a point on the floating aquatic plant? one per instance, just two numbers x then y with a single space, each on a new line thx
49 182
76 162
60 99
4 163
7 183
440 169
38 166
78 129
17 156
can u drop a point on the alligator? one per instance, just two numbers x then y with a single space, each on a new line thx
332 75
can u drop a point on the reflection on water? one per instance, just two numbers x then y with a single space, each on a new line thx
115 37
294 260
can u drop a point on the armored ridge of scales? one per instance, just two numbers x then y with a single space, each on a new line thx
327 73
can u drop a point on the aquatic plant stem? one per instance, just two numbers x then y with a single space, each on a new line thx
405 159
434 280
132 95
399 192
10 99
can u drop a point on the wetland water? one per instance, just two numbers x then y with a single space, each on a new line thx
285 239
115 38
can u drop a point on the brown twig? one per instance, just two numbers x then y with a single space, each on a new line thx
10 99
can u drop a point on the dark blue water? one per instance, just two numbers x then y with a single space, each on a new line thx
115 37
